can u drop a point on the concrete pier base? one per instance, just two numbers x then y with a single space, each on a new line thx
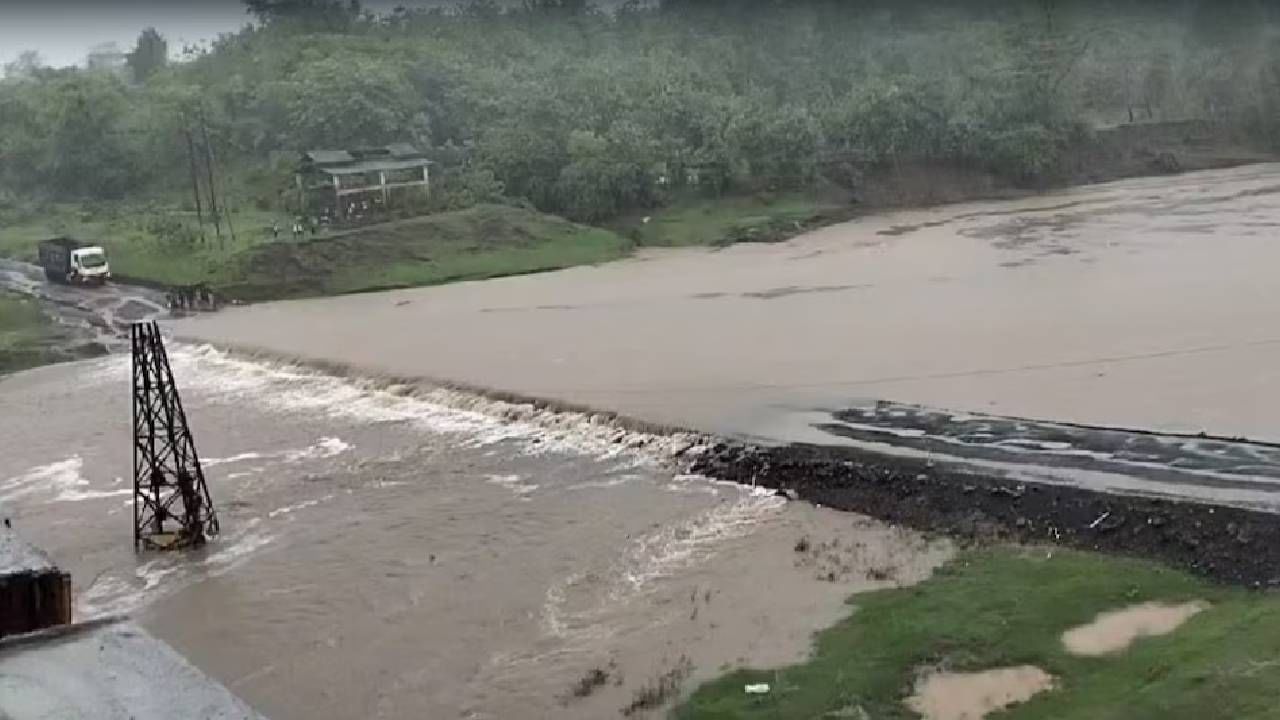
34 593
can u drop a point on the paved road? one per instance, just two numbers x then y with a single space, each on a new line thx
1148 304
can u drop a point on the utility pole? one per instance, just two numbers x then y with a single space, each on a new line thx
208 166
195 174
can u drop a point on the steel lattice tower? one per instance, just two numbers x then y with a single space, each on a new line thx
171 504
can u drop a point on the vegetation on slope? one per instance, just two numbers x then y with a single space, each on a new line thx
481 242
718 121
594 115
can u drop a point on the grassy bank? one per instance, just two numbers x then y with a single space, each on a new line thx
25 334
733 219
1007 607
147 242
481 242
156 246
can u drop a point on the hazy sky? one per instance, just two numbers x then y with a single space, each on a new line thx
62 31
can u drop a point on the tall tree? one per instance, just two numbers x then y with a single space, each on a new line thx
149 55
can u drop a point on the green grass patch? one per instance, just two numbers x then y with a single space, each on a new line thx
24 335
481 242
1004 607
157 244
732 219
164 245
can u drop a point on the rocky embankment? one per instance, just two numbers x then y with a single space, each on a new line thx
1230 545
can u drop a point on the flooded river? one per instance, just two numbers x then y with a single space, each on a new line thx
1148 303
983 332
396 553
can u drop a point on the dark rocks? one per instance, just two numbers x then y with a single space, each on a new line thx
1228 544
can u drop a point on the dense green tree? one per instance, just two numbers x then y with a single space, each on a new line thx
149 56
578 111
87 153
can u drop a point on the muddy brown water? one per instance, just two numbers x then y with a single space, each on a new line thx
1146 303
1114 631
388 555
974 696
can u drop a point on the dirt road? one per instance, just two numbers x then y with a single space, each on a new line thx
88 315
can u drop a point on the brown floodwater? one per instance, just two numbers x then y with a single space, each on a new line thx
1144 303
1115 630
974 696
395 552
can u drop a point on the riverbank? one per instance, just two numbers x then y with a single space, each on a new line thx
1034 612
159 246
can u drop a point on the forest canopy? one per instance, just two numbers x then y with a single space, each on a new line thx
591 112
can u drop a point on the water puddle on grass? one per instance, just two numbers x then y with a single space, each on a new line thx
1114 631
972 696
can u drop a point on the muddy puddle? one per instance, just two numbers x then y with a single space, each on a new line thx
1115 631
400 554
974 696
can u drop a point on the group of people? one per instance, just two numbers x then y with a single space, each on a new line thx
354 212
191 297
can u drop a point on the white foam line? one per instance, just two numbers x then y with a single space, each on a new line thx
602 484
72 495
673 548
649 558
242 457
326 448
514 483
300 506
218 377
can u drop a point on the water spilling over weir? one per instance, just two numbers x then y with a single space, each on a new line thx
395 552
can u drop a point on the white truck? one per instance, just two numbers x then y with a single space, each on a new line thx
70 261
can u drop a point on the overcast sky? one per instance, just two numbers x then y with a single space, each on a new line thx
62 31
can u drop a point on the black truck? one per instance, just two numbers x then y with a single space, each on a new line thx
71 261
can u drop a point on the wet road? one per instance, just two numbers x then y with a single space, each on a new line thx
395 552
1148 304
99 315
